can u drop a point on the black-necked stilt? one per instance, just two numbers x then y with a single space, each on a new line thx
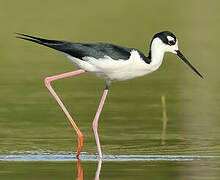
110 62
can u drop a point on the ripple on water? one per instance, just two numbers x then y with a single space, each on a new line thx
67 156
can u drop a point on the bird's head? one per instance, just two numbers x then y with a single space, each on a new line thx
167 42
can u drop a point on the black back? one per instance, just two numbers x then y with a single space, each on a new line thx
96 50
80 50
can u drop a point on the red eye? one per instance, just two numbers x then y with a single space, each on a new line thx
171 42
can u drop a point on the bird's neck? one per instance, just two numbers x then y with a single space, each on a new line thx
156 55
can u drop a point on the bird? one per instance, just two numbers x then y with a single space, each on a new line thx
110 62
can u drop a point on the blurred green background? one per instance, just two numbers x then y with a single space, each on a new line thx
30 119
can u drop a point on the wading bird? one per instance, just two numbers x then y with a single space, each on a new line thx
110 62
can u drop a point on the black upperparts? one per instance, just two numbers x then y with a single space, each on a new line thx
80 50
99 50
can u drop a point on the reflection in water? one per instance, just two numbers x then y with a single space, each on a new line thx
98 169
90 157
164 119
57 166
80 169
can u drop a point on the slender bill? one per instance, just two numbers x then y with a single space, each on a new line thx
188 63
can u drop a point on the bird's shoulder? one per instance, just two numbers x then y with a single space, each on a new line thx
100 49
96 50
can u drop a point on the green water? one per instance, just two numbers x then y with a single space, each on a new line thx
111 170
130 124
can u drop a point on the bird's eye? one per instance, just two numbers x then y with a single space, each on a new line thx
172 42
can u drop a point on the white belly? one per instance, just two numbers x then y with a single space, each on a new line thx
114 70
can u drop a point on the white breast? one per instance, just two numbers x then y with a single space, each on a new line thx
114 70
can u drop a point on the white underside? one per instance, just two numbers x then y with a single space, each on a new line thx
116 70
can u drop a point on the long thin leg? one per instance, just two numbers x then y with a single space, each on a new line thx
47 82
95 121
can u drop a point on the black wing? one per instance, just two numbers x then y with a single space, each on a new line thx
80 50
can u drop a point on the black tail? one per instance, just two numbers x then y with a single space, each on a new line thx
45 42
77 50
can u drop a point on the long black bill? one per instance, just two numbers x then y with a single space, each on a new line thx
188 63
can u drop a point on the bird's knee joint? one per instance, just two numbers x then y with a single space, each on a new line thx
80 136
47 81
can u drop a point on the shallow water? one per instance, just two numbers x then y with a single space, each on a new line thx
110 167
38 142
65 156
35 165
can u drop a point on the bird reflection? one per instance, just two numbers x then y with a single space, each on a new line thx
80 169
98 169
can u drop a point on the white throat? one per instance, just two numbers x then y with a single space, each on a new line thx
157 53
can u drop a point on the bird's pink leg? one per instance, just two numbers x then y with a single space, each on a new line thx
48 85
95 121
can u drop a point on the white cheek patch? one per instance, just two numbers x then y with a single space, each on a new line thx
170 38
